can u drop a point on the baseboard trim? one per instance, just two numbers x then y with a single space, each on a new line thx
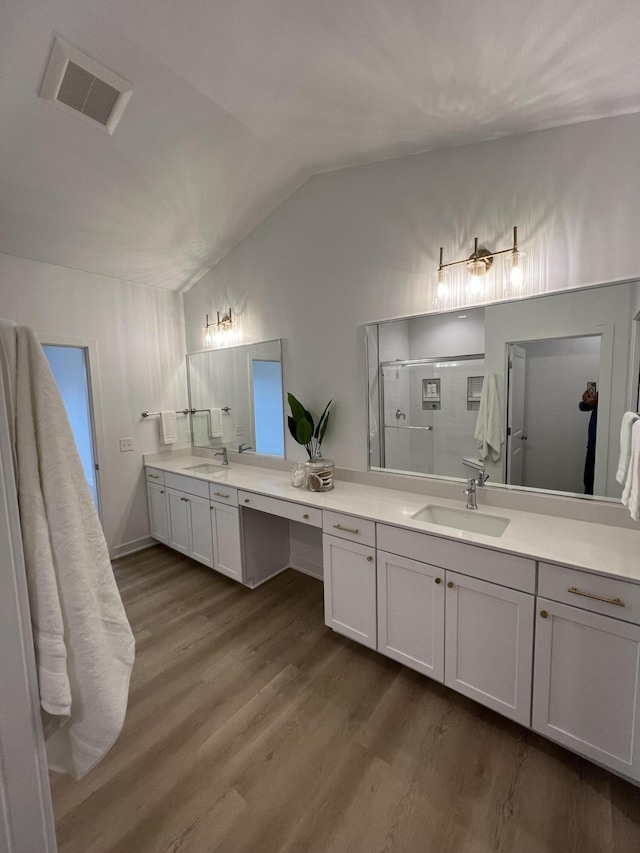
307 567
131 547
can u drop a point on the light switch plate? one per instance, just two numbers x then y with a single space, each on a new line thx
126 444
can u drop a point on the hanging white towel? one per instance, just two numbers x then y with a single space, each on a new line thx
631 492
489 430
168 427
83 642
625 446
215 423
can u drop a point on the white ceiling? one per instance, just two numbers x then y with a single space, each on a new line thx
237 102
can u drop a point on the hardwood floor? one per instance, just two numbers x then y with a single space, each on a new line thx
254 728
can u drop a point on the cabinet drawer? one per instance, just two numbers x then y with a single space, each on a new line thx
609 596
223 494
190 485
285 509
474 560
154 475
349 527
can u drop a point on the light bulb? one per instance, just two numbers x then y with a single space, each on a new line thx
440 278
516 273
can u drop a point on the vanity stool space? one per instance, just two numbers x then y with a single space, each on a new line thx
554 648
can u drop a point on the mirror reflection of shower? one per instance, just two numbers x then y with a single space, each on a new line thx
428 408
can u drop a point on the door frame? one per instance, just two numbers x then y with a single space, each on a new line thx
90 346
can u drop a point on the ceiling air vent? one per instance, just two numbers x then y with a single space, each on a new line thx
77 81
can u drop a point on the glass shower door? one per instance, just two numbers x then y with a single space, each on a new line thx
408 427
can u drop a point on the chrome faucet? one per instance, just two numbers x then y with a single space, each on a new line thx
222 452
481 476
242 447
470 492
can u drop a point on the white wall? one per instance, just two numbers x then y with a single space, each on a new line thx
139 335
360 244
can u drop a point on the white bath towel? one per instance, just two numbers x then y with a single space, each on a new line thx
215 423
168 427
83 642
625 446
489 430
631 491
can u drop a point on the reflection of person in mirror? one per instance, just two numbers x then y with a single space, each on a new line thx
589 403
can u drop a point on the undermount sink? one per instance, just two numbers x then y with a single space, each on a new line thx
462 519
205 468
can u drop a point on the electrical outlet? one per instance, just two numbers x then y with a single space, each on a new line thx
126 444
239 429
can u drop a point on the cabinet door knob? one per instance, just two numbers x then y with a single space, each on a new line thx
438 580
450 584
186 500
306 515
162 491
369 559
544 614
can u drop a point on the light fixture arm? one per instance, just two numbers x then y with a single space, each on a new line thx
481 253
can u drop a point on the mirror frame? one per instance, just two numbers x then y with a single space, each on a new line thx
633 370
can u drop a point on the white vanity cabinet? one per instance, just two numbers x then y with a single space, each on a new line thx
586 690
411 601
158 518
350 583
483 597
190 526
225 530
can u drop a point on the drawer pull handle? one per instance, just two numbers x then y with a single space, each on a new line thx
575 591
186 500
246 500
369 559
155 476
544 614
438 580
353 530
221 494
306 515
450 584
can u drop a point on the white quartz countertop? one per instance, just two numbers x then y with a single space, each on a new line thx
600 548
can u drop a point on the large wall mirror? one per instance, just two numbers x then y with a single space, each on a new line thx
426 377
236 398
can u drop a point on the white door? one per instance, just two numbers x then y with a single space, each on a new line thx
200 538
586 692
411 613
158 519
350 589
516 435
225 522
178 506
489 645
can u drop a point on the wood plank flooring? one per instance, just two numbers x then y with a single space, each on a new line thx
253 728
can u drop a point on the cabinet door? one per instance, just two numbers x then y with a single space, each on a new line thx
586 689
158 519
411 613
350 589
489 645
178 506
225 521
200 538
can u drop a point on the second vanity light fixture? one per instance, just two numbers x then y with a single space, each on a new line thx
218 330
479 263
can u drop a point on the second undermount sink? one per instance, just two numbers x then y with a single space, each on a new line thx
205 468
462 519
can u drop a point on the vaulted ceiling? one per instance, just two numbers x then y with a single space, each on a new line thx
237 102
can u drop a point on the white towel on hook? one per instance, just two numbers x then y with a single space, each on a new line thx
215 423
631 492
489 430
168 427
625 446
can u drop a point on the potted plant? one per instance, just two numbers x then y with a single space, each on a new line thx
310 435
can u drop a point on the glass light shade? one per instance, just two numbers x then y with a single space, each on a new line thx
441 286
516 269
207 335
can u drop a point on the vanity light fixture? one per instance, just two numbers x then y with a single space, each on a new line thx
478 264
219 329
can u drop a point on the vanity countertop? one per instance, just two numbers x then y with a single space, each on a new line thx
600 548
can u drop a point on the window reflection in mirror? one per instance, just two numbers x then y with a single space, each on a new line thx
426 377
237 395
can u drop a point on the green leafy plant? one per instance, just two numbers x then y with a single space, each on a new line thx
303 428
